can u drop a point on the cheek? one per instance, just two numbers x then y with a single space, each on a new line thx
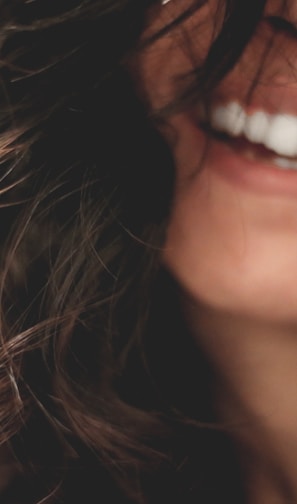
205 240
159 69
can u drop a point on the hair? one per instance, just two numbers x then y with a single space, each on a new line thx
96 398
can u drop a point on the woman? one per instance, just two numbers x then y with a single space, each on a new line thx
148 294
231 241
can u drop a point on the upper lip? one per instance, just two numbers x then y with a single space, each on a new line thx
279 97
265 77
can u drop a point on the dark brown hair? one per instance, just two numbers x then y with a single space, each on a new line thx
93 405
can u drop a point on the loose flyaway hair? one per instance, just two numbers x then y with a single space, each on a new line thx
96 369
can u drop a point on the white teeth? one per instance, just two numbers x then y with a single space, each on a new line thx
230 119
256 127
276 132
282 135
286 164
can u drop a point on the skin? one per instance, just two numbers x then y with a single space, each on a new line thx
233 250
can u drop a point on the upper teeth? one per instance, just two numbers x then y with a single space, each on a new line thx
277 132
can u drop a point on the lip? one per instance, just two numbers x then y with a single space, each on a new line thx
275 92
263 80
277 98
257 175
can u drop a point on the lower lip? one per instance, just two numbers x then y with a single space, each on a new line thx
257 175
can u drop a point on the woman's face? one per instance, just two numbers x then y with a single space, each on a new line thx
232 238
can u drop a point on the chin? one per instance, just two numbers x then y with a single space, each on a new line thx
232 238
262 287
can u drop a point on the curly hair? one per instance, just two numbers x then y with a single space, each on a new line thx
93 404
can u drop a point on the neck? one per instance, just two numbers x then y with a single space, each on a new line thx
256 377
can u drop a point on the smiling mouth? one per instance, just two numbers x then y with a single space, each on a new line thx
257 136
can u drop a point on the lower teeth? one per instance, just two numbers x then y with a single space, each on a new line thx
258 151
280 162
286 164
